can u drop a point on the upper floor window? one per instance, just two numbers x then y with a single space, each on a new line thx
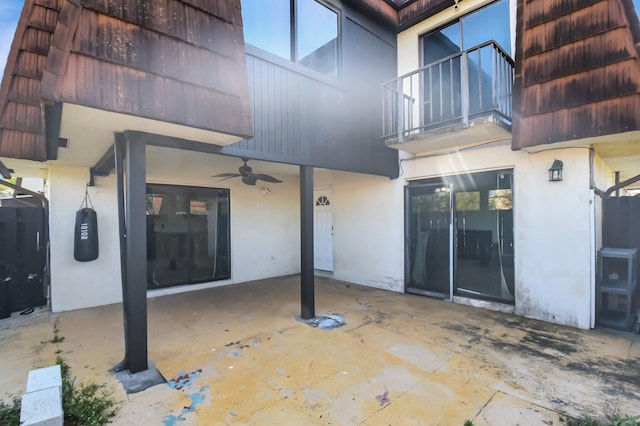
489 23
303 31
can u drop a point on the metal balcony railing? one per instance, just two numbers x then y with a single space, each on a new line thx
473 83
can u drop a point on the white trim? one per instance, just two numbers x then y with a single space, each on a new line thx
593 256
157 292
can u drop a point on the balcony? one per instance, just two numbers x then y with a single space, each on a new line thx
461 100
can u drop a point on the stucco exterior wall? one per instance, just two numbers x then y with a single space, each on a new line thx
265 231
551 226
368 230
265 228
553 239
552 223
81 284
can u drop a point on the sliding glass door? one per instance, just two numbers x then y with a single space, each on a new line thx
187 235
484 236
428 236
459 236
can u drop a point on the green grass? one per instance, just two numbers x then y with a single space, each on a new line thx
612 420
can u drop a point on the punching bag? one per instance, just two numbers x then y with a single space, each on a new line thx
85 241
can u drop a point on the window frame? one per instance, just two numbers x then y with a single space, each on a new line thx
189 193
458 20
293 38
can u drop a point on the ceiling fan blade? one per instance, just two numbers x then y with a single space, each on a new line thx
226 176
266 178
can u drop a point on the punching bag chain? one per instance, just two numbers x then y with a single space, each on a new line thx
86 201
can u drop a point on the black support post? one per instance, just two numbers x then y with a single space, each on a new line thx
307 296
118 153
136 256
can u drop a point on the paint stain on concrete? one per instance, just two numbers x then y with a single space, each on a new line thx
383 399
184 379
196 398
197 395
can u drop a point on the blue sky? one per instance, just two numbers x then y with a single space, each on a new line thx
9 14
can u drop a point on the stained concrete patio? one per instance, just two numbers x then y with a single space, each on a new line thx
236 355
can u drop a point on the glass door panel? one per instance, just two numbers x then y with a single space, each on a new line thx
187 235
428 238
209 240
484 236
167 239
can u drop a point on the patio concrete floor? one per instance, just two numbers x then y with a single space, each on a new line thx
236 355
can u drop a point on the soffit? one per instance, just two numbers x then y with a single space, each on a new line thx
90 133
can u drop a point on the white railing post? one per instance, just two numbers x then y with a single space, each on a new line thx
400 111
464 88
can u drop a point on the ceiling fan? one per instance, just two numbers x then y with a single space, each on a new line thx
248 177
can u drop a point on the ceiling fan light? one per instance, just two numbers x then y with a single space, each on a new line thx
249 180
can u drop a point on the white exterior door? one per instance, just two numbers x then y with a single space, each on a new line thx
323 231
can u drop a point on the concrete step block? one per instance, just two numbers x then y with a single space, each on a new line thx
42 408
42 378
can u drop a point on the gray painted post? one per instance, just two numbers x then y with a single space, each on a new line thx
307 296
136 251
118 154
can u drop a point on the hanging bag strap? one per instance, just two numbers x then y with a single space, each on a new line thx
86 201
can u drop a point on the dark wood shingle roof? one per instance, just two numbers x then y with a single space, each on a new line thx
21 118
577 70
181 62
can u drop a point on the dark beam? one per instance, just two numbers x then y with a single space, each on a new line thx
118 152
190 145
231 151
53 119
307 285
136 253
105 164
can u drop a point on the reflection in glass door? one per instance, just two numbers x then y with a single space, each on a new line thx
187 235
429 234
472 259
484 236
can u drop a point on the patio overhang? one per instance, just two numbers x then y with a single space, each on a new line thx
89 132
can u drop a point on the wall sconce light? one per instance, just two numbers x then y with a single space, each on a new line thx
555 172
5 172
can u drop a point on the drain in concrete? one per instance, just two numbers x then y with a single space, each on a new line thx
326 321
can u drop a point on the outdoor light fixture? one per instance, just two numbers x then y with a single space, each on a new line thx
5 171
555 172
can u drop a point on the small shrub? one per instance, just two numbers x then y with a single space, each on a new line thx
85 404
10 412
468 423
618 420
612 420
